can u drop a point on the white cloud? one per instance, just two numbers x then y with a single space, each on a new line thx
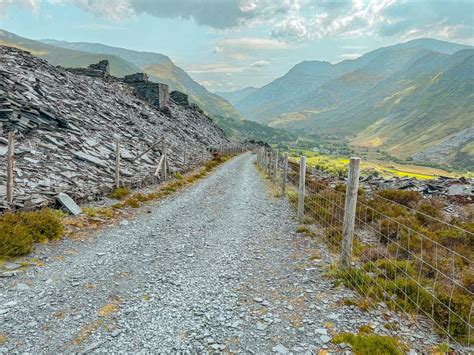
350 56
251 43
32 5
117 10
260 64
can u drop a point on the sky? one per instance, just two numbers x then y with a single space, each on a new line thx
230 44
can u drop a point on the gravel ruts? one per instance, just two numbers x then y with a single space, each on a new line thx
216 267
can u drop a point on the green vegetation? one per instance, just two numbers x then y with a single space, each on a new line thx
337 166
248 130
421 264
368 344
120 193
19 230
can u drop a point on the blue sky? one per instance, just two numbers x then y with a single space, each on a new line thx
231 44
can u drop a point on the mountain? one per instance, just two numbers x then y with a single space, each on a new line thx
159 67
234 97
66 57
412 100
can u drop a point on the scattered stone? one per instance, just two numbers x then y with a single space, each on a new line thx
325 339
280 349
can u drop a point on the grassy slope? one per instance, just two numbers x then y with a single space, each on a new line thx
66 57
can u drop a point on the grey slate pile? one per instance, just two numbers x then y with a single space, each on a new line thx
456 189
67 124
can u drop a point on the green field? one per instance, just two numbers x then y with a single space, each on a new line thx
337 166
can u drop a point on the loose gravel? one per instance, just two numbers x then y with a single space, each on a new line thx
216 267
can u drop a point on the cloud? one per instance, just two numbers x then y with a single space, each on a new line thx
381 18
260 64
252 43
350 56
218 14
32 5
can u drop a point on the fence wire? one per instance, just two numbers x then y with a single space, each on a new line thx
404 254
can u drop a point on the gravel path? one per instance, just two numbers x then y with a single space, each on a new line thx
218 266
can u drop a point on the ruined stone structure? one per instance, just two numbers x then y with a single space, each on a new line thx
180 98
157 94
67 124
98 70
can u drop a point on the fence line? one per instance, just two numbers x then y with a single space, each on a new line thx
398 252
161 173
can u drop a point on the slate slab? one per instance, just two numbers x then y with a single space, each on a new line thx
68 203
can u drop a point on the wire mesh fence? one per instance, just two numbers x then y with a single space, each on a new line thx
404 251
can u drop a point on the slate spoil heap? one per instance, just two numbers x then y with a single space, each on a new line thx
67 122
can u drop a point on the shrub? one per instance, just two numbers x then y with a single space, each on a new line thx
120 193
132 202
19 230
370 344
403 197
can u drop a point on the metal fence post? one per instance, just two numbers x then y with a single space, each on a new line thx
117 163
275 167
10 166
350 206
301 187
285 174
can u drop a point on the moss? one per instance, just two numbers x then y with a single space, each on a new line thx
120 193
178 176
370 344
19 230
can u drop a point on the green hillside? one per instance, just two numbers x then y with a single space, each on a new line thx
66 57
413 100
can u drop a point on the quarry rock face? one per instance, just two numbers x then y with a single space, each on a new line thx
67 122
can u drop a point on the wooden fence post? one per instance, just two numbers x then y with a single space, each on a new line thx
165 163
350 206
301 187
117 163
10 166
269 165
184 157
285 174
275 167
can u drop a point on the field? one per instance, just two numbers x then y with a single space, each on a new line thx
337 165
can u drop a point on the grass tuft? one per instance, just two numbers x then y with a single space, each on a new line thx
120 193
19 230
368 344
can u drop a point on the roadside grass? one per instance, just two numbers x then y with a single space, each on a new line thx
20 230
365 343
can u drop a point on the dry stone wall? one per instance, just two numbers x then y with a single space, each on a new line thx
67 124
